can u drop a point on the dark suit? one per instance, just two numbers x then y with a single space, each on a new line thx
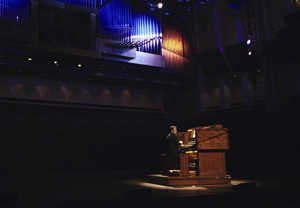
172 148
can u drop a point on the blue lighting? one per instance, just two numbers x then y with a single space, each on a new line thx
118 21
14 10
115 15
147 28
235 6
83 3
200 2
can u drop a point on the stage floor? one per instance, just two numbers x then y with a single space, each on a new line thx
94 189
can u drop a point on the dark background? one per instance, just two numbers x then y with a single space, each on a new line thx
53 139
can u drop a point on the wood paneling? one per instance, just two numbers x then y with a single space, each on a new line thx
212 164
184 165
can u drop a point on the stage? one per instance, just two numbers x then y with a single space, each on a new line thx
189 181
73 189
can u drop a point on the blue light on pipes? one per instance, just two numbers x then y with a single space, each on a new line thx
147 29
117 21
117 14
14 10
83 3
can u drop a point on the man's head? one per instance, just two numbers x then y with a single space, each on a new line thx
173 129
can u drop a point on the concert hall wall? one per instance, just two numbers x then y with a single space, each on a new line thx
224 83
81 92
176 43
220 26
52 138
71 138
65 29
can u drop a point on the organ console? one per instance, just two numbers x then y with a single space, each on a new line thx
206 145
202 158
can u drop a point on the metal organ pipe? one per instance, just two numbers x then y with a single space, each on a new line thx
84 3
3 7
117 17
147 31
14 10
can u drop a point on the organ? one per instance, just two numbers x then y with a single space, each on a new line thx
208 148
202 158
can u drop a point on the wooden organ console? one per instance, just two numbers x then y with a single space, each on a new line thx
202 158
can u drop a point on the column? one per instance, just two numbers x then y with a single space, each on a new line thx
267 33
260 10
267 86
199 79
239 25
34 13
93 18
290 6
196 47
245 85
217 29
222 93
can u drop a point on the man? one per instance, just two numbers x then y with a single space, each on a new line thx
172 150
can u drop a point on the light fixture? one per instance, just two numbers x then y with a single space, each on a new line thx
249 42
55 62
29 59
79 65
249 53
160 5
